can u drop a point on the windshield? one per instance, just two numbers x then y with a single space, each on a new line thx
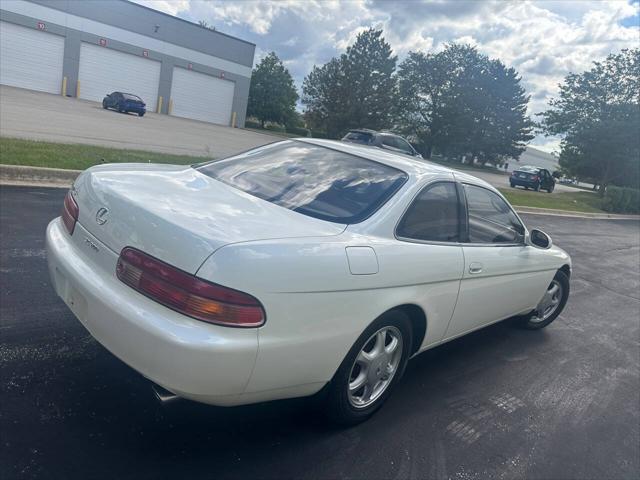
312 180
128 96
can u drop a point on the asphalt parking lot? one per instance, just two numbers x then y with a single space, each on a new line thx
500 403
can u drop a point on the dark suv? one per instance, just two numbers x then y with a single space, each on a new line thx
386 140
533 177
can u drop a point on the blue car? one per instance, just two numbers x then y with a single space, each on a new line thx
124 103
534 178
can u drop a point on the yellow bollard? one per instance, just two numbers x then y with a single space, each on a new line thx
233 119
159 104
78 89
64 86
170 109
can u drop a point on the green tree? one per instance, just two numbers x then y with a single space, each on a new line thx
354 90
460 102
272 94
598 114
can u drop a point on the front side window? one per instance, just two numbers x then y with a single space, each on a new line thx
316 181
433 216
387 141
491 219
404 146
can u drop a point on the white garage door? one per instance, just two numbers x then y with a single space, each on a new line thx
30 58
201 97
103 71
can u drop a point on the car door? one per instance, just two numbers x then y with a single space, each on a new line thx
428 254
502 275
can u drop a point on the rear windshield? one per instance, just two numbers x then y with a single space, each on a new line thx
128 96
360 137
313 180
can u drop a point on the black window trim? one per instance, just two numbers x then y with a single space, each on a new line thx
462 210
466 220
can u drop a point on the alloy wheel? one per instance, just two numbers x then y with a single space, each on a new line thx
375 366
549 303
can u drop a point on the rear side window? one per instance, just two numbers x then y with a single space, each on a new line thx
359 137
310 179
433 216
491 219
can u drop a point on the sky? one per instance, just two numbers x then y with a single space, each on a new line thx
543 40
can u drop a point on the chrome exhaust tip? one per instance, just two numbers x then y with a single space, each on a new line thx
163 395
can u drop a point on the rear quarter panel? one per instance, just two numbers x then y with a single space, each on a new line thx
316 308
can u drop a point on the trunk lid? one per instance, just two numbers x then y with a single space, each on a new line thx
179 215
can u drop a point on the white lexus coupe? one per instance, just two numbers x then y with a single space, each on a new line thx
298 267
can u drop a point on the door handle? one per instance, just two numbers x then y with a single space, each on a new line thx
475 267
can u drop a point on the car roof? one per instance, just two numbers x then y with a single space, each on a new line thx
410 165
362 130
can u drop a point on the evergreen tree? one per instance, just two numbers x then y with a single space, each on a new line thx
272 94
355 90
460 102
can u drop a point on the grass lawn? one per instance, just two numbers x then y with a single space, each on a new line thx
574 201
14 151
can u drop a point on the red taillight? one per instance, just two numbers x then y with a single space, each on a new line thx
186 293
70 212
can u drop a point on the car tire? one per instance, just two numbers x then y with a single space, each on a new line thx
537 187
141 114
341 405
536 319
551 188
104 104
512 185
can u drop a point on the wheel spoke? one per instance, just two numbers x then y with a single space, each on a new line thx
378 348
357 383
364 358
393 345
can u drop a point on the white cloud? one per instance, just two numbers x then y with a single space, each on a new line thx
543 40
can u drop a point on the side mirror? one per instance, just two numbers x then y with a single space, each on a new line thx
539 239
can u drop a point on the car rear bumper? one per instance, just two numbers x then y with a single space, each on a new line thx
522 182
192 359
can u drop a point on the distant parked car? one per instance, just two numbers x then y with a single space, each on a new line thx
533 177
124 103
385 140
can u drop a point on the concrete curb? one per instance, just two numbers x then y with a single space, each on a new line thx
567 213
37 176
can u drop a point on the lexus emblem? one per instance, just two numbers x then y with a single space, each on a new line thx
102 216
